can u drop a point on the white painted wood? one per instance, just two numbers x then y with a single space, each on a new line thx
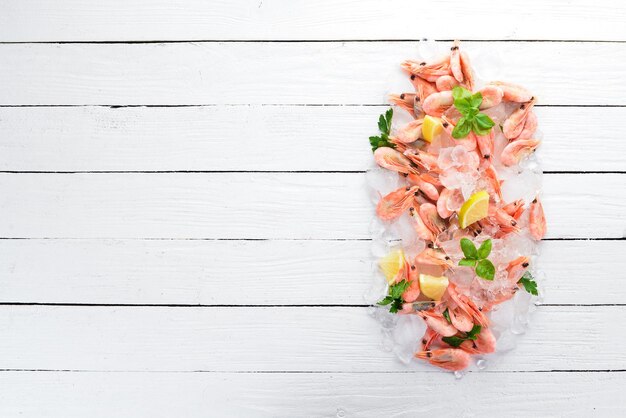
310 138
265 272
119 20
275 339
32 394
255 205
286 73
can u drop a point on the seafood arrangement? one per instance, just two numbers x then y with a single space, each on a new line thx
452 185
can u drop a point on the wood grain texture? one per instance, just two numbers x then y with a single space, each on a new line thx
286 73
119 20
275 339
266 272
163 395
308 138
255 205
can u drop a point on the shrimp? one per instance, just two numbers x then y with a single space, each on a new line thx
513 92
432 220
460 319
460 66
396 203
537 224
429 338
514 209
412 293
419 226
466 305
515 151
446 82
408 102
485 343
437 103
492 96
429 72
433 257
445 202
393 160
514 125
492 177
485 144
429 189
409 132
423 159
466 68
516 268
530 127
438 323
423 88
446 358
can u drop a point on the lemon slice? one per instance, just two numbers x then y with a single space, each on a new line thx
391 264
432 286
431 127
474 209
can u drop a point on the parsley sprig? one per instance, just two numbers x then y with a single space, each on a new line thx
456 341
394 298
477 258
529 283
384 126
468 105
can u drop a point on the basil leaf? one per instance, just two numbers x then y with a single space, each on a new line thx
485 269
485 249
469 250
467 262
483 121
446 315
477 129
476 99
473 334
459 93
382 124
453 341
462 128
463 106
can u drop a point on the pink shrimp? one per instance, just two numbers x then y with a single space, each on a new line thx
425 187
537 223
492 96
514 125
446 82
396 203
515 151
485 343
423 88
455 62
419 226
460 318
437 103
516 268
438 323
485 144
407 101
530 127
515 208
492 177
432 257
467 305
423 159
446 358
429 72
432 220
393 160
430 336
466 68
409 132
505 221
513 92
412 293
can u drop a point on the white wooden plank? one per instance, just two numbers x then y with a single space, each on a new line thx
32 20
255 205
286 73
310 138
266 272
32 394
275 339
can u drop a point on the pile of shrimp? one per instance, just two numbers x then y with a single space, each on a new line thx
435 179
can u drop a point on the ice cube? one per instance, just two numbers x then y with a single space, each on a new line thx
406 335
487 64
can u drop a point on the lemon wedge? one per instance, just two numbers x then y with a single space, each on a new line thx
391 264
431 127
474 209
432 286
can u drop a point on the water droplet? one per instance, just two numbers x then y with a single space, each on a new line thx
341 413
428 49
459 374
481 364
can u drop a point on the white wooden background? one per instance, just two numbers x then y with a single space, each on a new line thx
184 224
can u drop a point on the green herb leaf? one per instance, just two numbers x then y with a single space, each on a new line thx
529 283
446 315
475 100
485 269
467 262
485 249
484 122
396 305
462 128
473 334
388 116
469 250
453 341
382 124
386 301
459 93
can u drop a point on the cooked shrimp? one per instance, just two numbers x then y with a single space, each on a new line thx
429 72
492 96
396 203
409 133
437 103
537 224
438 323
446 358
514 125
485 343
517 150
446 82
513 92
393 160
407 101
